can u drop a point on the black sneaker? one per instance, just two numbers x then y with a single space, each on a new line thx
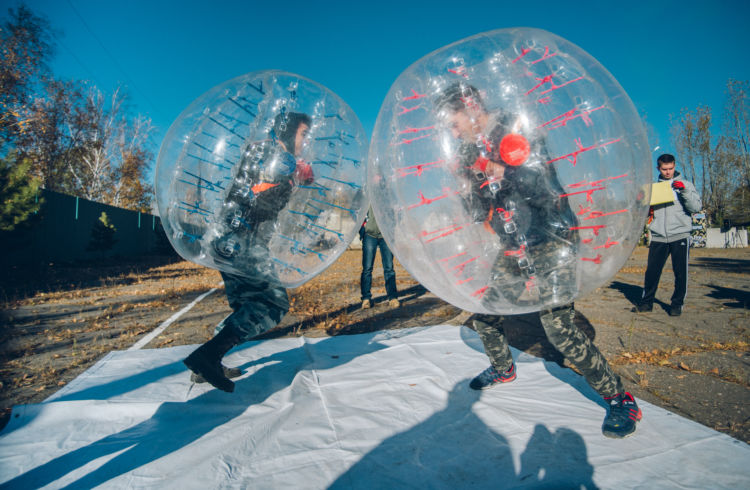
491 376
643 307
228 372
675 310
622 416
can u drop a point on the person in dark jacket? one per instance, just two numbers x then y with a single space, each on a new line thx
519 199
670 227
262 185
372 240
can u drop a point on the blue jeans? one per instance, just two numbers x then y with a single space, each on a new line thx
370 245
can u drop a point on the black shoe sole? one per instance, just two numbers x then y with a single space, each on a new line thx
203 367
487 387
618 435
228 372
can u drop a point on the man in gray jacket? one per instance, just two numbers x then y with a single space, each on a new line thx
670 235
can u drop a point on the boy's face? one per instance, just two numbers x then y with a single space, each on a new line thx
462 126
299 138
666 170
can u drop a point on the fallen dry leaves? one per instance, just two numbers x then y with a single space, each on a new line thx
663 357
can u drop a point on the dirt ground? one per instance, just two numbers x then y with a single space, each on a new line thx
57 320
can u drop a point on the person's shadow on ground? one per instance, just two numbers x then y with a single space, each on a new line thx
631 293
355 319
722 264
454 448
446 446
556 460
635 293
177 424
737 297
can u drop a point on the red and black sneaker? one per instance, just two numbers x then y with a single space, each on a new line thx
622 416
491 376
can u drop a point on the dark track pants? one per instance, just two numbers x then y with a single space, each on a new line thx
657 257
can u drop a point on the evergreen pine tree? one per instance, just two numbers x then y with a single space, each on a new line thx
102 235
18 192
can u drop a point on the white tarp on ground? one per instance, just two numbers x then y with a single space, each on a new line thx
383 410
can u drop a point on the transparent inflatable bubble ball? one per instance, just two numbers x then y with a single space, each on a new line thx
509 172
263 176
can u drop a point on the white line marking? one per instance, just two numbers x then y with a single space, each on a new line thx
148 338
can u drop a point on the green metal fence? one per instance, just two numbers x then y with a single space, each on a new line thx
62 232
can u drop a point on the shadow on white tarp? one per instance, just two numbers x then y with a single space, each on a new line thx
389 409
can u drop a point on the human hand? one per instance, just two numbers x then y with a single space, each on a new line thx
678 186
480 163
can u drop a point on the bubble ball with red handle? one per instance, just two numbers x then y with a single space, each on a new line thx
263 176
509 172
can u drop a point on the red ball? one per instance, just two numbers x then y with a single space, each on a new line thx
514 149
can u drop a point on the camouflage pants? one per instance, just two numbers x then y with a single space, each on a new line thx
257 305
544 273
564 335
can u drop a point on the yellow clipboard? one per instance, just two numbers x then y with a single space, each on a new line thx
661 192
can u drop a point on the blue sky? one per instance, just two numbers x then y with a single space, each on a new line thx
666 54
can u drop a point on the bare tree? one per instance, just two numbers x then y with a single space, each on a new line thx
73 138
738 207
684 141
99 120
736 123
691 136
84 143
723 176
47 137
131 189
114 155
703 151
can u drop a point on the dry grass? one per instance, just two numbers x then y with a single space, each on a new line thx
53 333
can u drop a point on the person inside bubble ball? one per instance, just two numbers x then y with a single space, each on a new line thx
516 194
263 182
261 186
